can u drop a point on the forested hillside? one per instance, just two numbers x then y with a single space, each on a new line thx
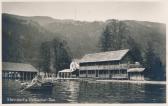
36 39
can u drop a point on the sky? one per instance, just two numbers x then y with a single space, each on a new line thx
90 11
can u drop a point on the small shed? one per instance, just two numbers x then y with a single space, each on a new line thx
66 73
136 73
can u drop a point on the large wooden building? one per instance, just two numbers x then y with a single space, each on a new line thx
22 71
109 65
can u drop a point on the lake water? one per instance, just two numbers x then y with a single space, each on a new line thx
86 92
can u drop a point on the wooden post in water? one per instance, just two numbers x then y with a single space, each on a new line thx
14 75
23 76
26 76
25 73
30 75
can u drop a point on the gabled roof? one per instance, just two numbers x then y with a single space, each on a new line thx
10 66
104 56
136 70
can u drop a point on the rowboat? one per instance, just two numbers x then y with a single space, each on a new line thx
38 84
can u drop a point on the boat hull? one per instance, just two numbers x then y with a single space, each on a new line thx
42 86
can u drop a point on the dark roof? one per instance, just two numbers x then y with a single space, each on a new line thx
10 66
104 56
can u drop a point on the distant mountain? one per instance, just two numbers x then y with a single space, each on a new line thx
82 37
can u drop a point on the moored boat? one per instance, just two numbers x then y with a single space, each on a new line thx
38 84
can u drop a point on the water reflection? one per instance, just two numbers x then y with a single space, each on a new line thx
88 92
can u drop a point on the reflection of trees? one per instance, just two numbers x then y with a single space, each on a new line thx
155 93
105 92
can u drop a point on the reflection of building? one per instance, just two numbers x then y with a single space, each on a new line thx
18 71
111 64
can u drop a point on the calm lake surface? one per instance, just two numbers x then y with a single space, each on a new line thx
86 92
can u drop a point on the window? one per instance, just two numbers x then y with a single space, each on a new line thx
82 72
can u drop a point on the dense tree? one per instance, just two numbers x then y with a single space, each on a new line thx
62 57
135 51
54 56
45 57
116 37
153 64
11 43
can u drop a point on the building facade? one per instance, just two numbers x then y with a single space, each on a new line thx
107 65
22 71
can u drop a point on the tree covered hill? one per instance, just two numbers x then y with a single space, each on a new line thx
28 33
86 35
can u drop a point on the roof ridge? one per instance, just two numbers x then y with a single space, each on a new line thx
107 51
105 56
17 63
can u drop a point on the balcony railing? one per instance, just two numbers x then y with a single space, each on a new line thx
109 67
104 67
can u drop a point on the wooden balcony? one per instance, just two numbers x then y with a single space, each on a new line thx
104 67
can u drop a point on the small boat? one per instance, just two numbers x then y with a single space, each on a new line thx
37 84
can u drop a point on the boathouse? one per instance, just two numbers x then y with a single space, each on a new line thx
66 73
136 73
73 72
106 65
20 71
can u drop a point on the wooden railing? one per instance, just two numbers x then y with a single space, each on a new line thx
104 67
134 66
109 67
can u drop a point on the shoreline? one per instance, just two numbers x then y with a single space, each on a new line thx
137 82
113 80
